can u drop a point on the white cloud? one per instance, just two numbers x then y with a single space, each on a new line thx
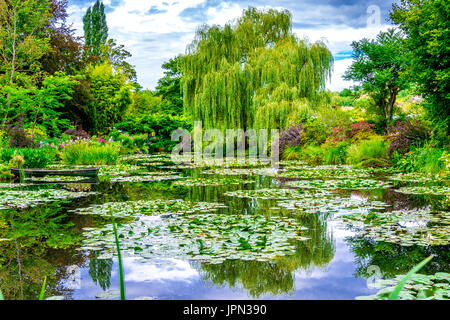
157 30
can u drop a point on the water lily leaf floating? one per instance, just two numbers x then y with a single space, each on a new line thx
353 184
433 190
419 287
338 172
211 238
148 178
274 194
414 227
322 203
199 182
21 199
244 172
150 207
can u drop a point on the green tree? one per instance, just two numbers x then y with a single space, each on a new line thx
111 94
427 26
254 73
169 87
379 65
95 27
41 105
24 37
117 56
145 102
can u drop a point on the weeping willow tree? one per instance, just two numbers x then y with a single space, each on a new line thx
253 73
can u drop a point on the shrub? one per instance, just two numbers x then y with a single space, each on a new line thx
426 159
335 152
404 134
5 173
162 124
369 153
88 153
19 137
34 158
361 127
312 154
77 134
314 131
290 138
292 153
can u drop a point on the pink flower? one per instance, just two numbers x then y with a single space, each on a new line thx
102 140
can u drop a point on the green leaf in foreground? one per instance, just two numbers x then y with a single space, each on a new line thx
42 295
399 287
119 255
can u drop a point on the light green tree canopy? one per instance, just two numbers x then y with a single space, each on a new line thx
24 38
111 93
253 73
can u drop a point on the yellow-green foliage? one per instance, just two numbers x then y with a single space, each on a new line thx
232 78
312 154
292 153
372 152
5 173
111 94
87 153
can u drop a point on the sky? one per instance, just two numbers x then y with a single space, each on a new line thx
155 31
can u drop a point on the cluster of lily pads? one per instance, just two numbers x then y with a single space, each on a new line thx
195 182
276 194
56 179
241 171
325 172
415 177
313 203
154 176
352 184
150 207
419 287
21 199
211 238
433 190
412 227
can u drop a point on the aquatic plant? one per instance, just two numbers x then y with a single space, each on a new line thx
149 207
413 286
351 184
211 238
410 227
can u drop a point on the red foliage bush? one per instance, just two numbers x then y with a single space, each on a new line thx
362 126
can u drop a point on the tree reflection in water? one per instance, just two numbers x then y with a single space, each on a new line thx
41 243
276 277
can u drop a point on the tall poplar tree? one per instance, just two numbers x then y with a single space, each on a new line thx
95 27
254 73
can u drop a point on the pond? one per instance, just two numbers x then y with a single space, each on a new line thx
235 231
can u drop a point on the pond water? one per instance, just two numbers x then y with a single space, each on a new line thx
254 235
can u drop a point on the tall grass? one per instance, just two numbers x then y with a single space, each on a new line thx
82 153
312 154
119 256
291 153
372 152
335 153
